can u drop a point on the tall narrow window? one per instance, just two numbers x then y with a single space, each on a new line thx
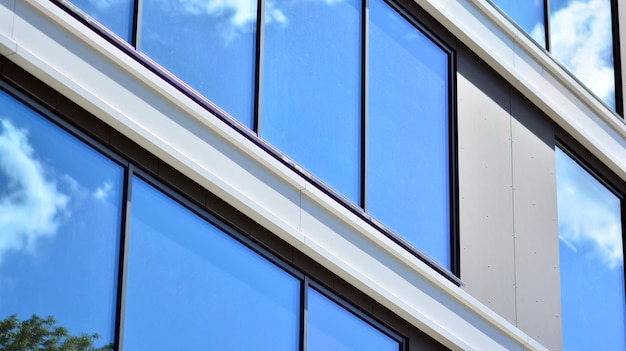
408 177
209 45
592 261
193 287
60 217
312 88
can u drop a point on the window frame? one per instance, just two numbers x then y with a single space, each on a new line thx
601 173
616 54
136 161
411 12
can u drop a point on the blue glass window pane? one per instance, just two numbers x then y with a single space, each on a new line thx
311 88
60 216
592 261
407 138
581 38
210 46
530 15
332 327
192 287
116 15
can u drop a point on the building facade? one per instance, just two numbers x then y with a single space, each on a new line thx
320 174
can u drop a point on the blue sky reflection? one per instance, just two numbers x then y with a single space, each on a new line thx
60 223
592 263
581 38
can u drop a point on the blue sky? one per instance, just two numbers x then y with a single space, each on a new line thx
311 95
592 262
59 223
580 38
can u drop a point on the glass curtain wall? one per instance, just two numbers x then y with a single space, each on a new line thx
592 260
361 102
407 132
311 90
60 234
188 283
580 37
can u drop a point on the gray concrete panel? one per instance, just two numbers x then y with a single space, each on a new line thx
535 224
485 196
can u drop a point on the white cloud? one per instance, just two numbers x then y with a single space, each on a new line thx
581 40
103 5
102 193
589 215
31 206
239 15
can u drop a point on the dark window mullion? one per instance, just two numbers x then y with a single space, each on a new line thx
364 86
304 309
546 22
256 124
617 60
123 257
136 31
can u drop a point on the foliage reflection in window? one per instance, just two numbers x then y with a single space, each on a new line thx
60 205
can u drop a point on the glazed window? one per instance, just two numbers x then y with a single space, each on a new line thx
592 259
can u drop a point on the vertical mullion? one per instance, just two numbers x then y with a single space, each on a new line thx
617 59
304 308
453 173
364 94
123 257
256 124
137 18
546 21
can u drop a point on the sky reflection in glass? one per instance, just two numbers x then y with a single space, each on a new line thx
60 222
581 37
407 141
527 14
592 262
210 45
192 287
312 89
332 327
116 15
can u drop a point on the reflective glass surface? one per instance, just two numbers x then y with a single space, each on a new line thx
192 287
592 261
332 327
407 137
581 38
210 45
529 15
60 216
312 88
116 15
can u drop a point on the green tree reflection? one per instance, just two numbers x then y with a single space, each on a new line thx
42 334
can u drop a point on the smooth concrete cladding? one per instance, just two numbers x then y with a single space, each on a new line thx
513 104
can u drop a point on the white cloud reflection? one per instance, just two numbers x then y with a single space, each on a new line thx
31 206
239 15
589 214
103 192
581 39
